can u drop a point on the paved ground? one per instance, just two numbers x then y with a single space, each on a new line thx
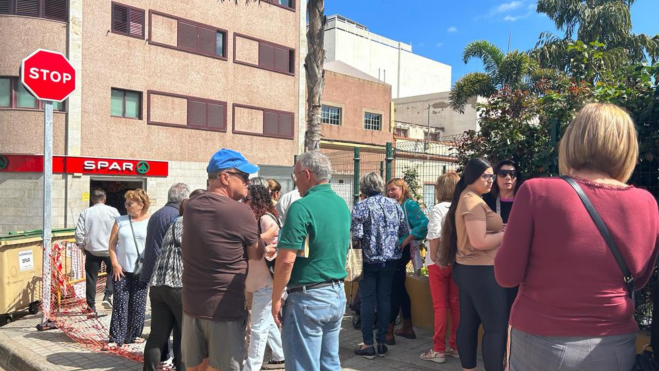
23 348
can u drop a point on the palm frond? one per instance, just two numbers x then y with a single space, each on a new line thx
470 85
487 52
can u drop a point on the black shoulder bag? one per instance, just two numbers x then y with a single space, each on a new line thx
644 361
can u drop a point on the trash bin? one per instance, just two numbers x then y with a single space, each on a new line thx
21 263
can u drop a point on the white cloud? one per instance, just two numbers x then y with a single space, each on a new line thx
533 6
439 45
452 29
506 7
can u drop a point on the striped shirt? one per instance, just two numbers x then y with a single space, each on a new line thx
168 269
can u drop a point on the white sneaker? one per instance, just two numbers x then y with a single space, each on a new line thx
107 304
433 356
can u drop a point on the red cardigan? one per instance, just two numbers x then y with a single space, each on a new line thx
570 283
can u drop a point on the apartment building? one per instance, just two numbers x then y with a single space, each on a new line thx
161 86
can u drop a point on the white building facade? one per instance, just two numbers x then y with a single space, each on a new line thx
390 61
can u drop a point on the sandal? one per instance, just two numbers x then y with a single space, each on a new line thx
139 340
110 347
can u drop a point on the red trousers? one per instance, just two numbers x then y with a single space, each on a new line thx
444 297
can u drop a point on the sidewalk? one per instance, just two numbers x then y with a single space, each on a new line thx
23 348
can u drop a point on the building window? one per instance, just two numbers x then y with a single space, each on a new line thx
183 111
182 34
128 21
429 196
57 10
402 132
372 121
125 103
13 94
265 122
434 137
263 54
284 3
330 115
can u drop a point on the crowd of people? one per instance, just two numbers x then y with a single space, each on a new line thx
238 267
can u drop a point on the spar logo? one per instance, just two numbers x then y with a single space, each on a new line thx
142 167
4 162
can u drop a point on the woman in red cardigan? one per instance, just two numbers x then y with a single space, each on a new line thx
573 311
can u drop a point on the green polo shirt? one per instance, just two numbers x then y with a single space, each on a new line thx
325 217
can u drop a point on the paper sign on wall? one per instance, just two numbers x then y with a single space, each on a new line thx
85 197
25 260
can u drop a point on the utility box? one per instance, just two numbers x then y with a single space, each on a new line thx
21 271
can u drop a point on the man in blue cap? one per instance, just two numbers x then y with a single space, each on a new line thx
219 235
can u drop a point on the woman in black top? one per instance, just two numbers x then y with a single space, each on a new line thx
501 198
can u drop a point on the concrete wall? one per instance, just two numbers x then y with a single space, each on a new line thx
391 61
356 96
415 110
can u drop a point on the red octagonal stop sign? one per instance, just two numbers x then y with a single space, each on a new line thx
48 75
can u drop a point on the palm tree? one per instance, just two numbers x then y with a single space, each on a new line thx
313 65
593 21
512 69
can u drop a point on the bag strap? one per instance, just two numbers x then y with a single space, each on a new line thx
130 221
627 276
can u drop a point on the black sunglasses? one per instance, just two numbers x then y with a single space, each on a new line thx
504 173
243 176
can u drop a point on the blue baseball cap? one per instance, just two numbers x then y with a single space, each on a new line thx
228 159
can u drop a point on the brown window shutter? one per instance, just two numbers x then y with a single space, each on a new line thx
187 35
286 125
119 18
207 40
196 113
270 123
4 7
56 9
216 116
281 60
266 56
27 7
136 23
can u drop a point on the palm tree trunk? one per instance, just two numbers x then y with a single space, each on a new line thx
315 72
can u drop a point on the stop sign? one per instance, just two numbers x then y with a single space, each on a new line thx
48 75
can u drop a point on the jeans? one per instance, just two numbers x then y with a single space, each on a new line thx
444 294
92 266
166 316
400 299
482 300
264 331
311 327
375 286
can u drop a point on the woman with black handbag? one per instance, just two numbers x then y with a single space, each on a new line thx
127 255
577 248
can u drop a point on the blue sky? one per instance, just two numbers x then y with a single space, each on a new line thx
440 29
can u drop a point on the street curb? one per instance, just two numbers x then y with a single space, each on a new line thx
16 358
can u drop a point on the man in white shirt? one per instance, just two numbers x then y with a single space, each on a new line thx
285 202
93 234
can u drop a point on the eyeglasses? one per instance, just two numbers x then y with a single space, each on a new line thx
505 173
488 177
243 176
129 203
294 174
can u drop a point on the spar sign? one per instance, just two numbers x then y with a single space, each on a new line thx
48 75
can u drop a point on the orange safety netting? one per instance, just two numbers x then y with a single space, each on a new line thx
68 306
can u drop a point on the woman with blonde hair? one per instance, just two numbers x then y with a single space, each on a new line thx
443 289
127 253
574 310
417 223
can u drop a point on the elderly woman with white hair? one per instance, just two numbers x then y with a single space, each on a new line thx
377 223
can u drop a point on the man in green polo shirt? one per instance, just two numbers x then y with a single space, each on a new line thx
314 274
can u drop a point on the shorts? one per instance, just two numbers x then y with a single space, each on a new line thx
222 342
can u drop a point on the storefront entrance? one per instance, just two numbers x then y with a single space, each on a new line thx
115 190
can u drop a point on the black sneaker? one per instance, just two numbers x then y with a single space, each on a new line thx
368 353
107 304
382 350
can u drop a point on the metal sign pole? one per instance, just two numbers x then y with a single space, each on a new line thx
47 204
